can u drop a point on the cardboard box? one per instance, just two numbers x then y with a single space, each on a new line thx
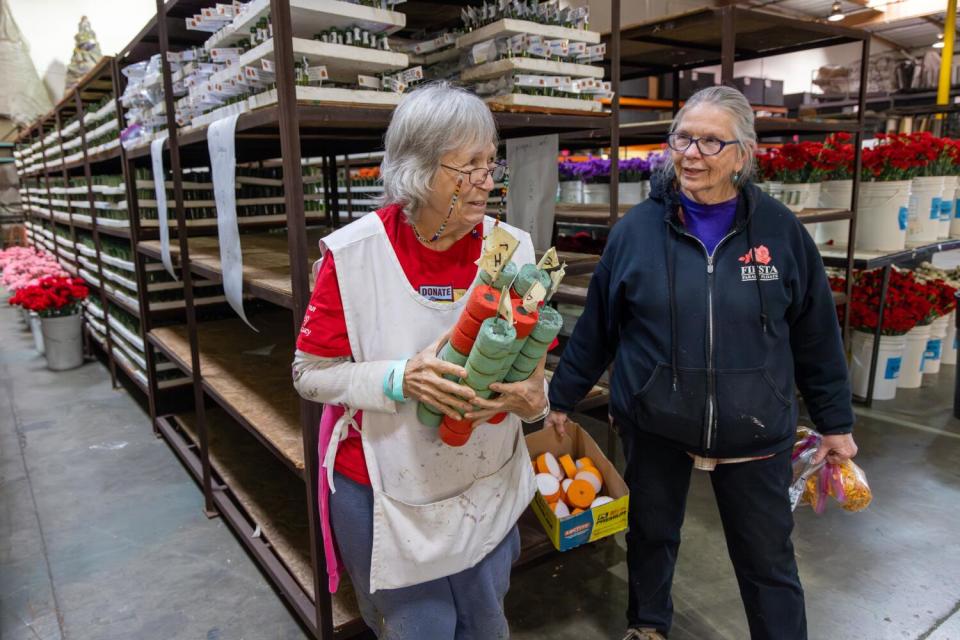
592 524
690 83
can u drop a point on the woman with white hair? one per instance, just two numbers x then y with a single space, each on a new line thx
712 302
427 532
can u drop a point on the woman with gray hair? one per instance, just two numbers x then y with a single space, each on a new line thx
711 302
427 532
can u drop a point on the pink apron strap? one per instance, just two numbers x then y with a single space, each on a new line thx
331 413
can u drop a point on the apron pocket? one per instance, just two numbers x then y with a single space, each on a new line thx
416 543
753 412
677 415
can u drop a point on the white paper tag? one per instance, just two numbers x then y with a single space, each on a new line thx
223 170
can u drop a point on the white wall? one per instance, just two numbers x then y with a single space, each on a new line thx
49 26
795 69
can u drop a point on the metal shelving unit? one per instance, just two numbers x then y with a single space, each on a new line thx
692 40
240 380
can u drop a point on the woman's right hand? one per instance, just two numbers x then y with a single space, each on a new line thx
423 380
557 421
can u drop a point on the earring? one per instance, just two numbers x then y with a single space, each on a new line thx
735 178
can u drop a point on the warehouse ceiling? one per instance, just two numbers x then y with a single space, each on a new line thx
905 24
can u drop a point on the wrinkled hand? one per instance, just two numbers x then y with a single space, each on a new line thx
557 421
423 380
836 449
526 399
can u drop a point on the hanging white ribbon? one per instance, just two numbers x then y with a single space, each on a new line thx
160 189
223 169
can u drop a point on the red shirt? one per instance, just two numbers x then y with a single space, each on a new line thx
437 275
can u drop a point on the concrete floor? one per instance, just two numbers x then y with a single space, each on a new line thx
102 535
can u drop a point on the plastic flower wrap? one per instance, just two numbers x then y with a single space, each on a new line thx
813 483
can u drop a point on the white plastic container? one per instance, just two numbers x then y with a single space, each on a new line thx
889 360
923 226
834 194
955 222
37 331
947 205
63 340
882 215
933 353
802 195
949 355
570 192
596 194
911 375
631 193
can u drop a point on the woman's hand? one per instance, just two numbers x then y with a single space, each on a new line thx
526 399
557 421
836 449
423 380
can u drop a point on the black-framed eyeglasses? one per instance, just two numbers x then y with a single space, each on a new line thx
707 145
478 176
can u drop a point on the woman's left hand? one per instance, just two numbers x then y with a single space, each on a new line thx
526 399
836 449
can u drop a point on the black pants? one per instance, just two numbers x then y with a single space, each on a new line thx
757 522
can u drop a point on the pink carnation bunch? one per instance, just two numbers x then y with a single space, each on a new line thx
23 266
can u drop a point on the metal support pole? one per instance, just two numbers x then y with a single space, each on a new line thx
105 304
133 211
875 350
334 190
198 394
855 191
675 89
946 56
728 39
348 182
289 126
614 113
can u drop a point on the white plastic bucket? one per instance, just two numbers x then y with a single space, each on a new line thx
889 360
596 194
63 340
911 375
570 191
802 195
882 215
946 205
923 226
630 193
955 222
949 355
775 189
933 353
834 194
37 332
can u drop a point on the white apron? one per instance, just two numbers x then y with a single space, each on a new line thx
437 510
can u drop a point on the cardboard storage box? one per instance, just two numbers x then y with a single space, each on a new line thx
592 524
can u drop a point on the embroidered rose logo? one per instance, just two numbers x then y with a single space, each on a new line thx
761 255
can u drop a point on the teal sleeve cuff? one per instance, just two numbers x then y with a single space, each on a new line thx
393 381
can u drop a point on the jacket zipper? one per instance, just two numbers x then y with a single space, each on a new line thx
711 418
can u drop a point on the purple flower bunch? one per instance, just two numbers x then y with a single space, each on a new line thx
634 170
568 171
594 171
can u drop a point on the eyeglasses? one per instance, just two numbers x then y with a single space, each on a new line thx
478 176
707 145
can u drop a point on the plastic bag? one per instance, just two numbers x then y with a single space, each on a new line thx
814 483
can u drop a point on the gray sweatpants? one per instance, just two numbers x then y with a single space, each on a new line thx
464 606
